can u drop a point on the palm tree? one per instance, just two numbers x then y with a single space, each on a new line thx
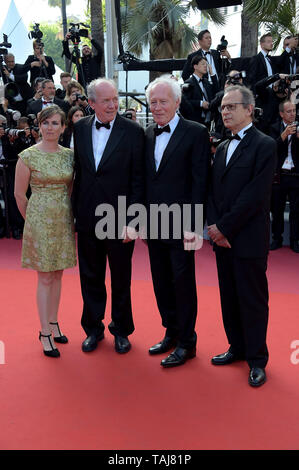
161 25
278 16
97 27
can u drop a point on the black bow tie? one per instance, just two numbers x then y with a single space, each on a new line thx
232 137
208 52
160 130
101 124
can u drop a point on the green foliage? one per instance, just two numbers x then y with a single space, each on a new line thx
277 16
57 3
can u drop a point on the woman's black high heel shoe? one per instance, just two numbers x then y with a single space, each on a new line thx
61 338
54 351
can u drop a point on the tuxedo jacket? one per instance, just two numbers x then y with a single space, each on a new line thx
285 60
282 146
20 73
188 69
193 96
258 68
35 106
120 171
240 192
183 173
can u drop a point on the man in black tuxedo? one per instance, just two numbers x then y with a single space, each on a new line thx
48 98
108 164
213 57
238 224
286 185
177 167
198 92
262 65
16 74
289 59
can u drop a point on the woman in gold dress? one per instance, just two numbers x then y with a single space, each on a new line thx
48 239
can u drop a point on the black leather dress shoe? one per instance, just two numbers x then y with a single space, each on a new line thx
178 357
91 342
257 377
122 344
295 246
17 234
225 358
164 346
275 245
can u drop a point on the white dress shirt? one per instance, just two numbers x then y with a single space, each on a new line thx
210 60
268 63
163 139
293 66
288 164
99 140
234 143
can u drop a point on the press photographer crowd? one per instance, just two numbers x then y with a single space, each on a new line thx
207 73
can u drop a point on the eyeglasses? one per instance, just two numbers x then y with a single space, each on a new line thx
229 107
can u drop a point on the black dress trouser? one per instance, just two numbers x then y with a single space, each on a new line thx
93 254
173 274
244 303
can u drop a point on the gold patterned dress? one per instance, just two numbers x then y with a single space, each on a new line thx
49 236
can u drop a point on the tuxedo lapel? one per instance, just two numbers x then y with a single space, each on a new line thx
114 138
151 148
88 143
175 139
238 152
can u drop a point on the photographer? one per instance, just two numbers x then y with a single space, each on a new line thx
40 65
198 93
48 98
289 59
286 185
16 74
8 160
262 65
215 58
75 97
91 63
234 77
65 79
37 90
269 93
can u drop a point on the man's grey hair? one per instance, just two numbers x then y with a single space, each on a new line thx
247 95
166 79
91 89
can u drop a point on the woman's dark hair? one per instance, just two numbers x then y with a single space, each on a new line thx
72 111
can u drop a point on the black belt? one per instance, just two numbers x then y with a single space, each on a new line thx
288 172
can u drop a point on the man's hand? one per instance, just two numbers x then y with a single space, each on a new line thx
6 71
1 131
225 53
129 234
192 241
205 105
289 130
218 237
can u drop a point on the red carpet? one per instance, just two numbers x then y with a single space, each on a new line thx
104 400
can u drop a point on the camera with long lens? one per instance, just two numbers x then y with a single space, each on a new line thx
31 121
36 33
11 132
76 32
223 44
235 79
